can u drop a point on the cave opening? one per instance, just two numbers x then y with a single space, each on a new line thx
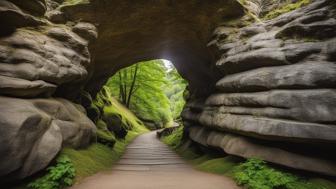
260 92
152 90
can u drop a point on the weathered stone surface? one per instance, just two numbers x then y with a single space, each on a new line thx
267 127
52 56
86 30
34 130
278 81
24 88
277 93
298 76
301 105
248 148
253 59
12 17
175 34
34 7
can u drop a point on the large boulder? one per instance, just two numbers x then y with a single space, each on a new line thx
33 131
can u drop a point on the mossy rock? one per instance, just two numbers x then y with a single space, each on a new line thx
104 136
286 8
94 113
115 125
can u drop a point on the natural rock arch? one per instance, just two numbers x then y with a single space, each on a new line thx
130 32
276 94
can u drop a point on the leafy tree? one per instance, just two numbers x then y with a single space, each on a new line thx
151 90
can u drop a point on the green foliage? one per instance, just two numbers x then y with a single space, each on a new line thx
256 174
252 173
156 91
175 138
287 7
98 157
175 89
104 136
223 165
58 176
111 107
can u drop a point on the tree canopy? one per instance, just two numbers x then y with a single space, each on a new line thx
152 90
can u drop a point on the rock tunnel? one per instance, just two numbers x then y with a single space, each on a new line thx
260 88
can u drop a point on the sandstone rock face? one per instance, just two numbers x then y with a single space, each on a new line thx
133 31
34 130
275 90
277 95
49 48
249 147
37 59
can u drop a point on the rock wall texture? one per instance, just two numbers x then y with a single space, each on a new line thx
271 93
277 98
50 52
37 58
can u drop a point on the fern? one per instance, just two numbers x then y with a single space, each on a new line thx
59 176
256 174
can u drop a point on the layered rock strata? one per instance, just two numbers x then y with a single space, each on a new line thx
37 59
277 98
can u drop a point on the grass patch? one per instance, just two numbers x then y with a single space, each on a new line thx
251 173
286 8
174 140
223 166
97 157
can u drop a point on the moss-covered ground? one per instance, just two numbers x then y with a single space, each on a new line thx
251 173
97 157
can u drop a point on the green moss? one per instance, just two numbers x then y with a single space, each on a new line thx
251 173
91 160
318 182
248 12
75 2
111 107
97 157
223 165
286 8
104 136
174 139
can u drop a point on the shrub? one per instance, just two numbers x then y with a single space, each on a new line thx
256 174
58 176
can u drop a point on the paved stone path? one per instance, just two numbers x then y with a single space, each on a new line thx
150 164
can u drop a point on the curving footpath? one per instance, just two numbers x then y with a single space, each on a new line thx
150 164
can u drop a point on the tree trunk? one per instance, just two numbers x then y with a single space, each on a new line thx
130 93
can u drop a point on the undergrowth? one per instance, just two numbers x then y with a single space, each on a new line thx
97 157
174 139
251 173
73 165
59 176
256 174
